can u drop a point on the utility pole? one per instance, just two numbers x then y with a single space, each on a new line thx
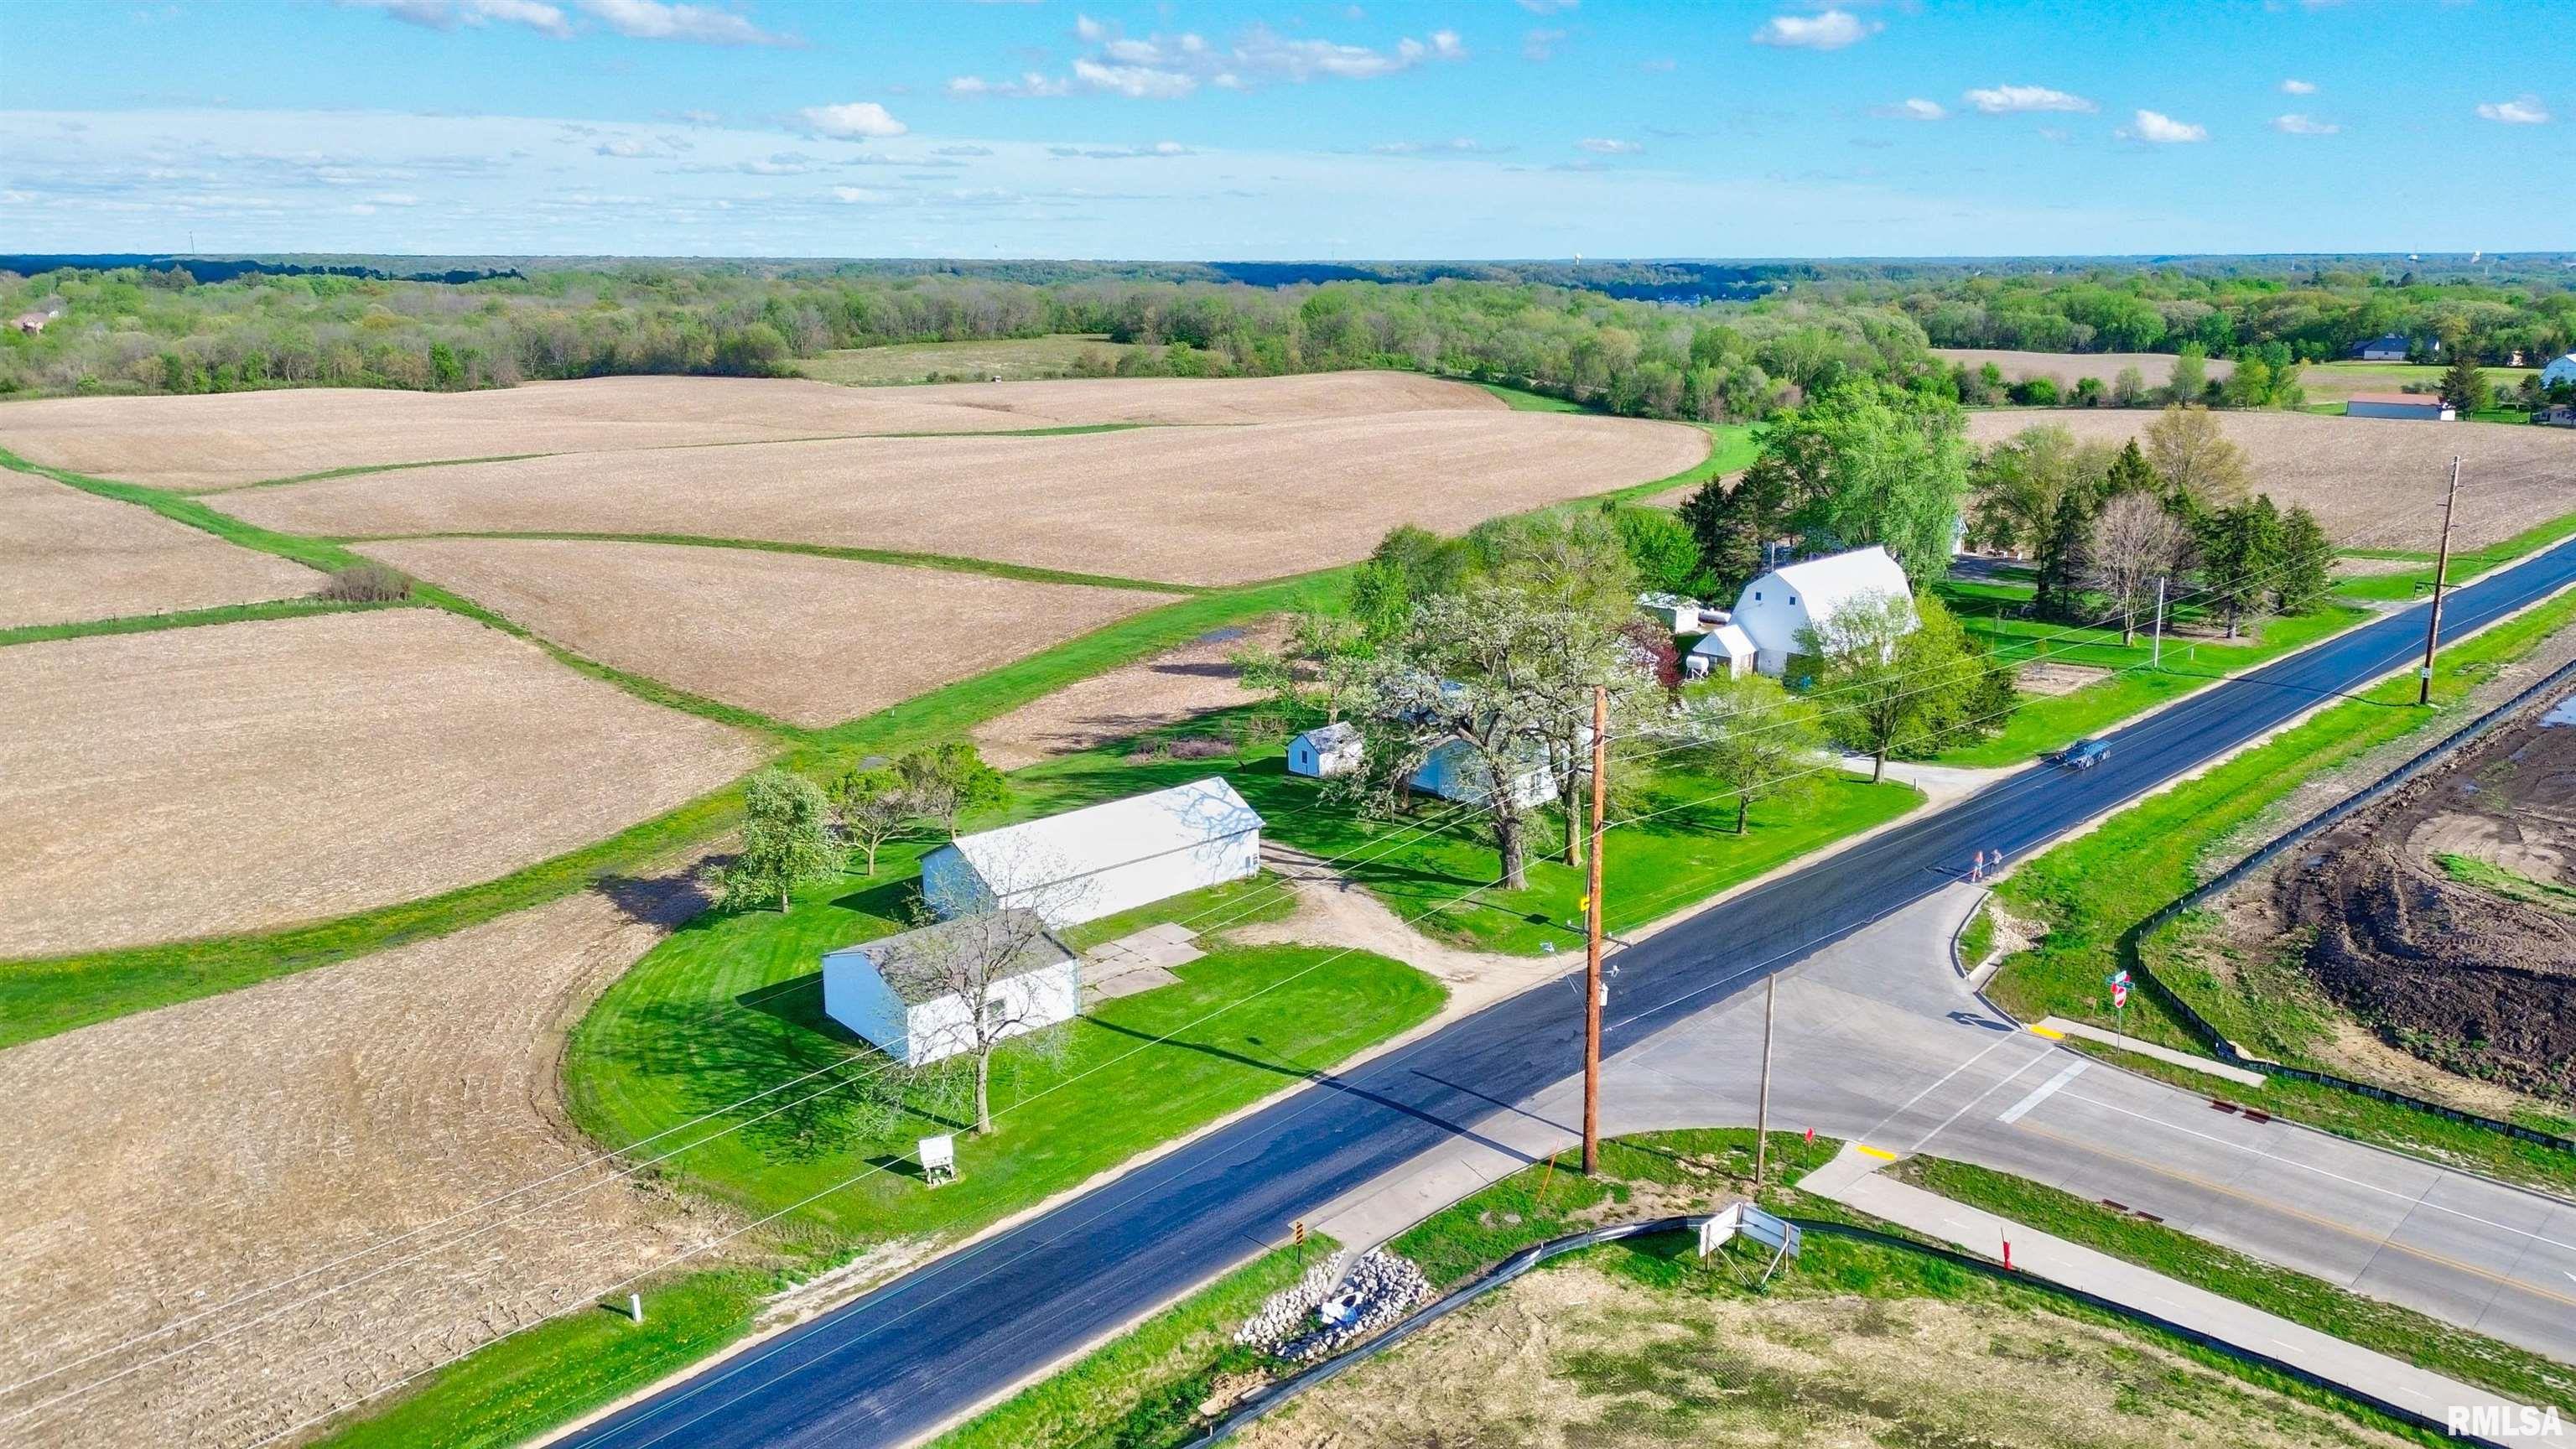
2156 654
1592 938
2441 571
1762 1111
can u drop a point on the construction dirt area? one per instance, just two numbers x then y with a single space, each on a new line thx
190 782
225 440
321 1185
1579 1356
2372 482
2443 918
1198 505
808 640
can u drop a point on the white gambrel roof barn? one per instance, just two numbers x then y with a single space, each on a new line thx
1776 607
1102 859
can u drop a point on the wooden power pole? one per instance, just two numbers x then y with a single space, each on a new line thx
1762 1110
2441 570
1592 937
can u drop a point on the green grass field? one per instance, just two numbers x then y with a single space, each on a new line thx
1424 874
2335 381
2048 722
1013 359
2407 584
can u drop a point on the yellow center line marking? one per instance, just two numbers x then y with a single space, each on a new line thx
2327 1223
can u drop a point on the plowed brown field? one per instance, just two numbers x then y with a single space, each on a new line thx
332 1138
226 439
192 782
2373 482
799 638
66 555
1191 505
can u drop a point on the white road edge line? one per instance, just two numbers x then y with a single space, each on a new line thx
2044 1091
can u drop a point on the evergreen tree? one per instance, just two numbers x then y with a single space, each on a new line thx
2240 551
2130 472
2307 563
1733 525
2061 552
2464 385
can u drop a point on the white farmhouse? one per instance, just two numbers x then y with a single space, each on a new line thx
2560 369
1326 751
900 992
1455 771
1726 650
1100 860
1778 606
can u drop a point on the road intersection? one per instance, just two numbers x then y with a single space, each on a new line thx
1876 1045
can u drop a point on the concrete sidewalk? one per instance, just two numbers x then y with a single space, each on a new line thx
1851 1179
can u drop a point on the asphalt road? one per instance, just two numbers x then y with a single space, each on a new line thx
889 1366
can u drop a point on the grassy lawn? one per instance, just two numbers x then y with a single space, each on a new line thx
2338 380
1651 869
2401 1333
2094 891
2049 722
1012 359
2407 584
1143 1387
1522 400
731 1005
188 619
1977 937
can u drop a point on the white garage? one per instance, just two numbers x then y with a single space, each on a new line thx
902 993
1100 860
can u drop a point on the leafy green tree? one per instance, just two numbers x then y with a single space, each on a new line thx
1661 549
1753 736
948 781
2464 385
872 806
2017 483
2307 563
2190 375
786 842
2128 388
1573 558
2195 459
1867 464
1893 674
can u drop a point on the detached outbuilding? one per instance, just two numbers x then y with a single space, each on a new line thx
1725 650
2415 406
1779 606
2390 347
1326 752
1100 860
1675 613
1457 771
902 993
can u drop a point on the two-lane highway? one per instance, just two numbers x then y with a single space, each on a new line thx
896 1362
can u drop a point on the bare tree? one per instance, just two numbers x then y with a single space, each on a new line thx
2136 541
979 981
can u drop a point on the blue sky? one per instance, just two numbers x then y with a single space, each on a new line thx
1477 128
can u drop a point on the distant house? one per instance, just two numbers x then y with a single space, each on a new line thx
1326 751
1455 771
2391 348
2560 416
898 992
2560 369
1780 605
1725 649
2419 406
1675 613
1100 860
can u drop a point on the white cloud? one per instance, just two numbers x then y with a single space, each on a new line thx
1122 153
1608 146
1136 82
1912 108
2298 88
654 20
1824 30
2520 111
853 120
2296 124
2163 130
394 198
449 14
1455 145
856 195
1030 83
1088 30
1541 44
2003 100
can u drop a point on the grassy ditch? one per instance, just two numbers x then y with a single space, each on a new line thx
2094 891
191 618
2401 1333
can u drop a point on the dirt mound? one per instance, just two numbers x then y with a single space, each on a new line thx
2432 913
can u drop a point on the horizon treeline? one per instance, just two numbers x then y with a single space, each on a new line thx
135 330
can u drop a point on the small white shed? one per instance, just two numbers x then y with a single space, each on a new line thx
900 992
1102 859
1778 606
2422 407
1326 751
1455 771
1726 649
1675 613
